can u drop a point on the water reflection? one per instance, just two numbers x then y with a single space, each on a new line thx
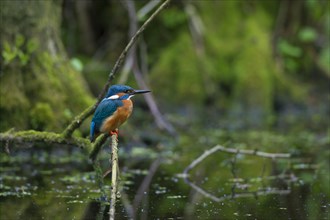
63 185
239 183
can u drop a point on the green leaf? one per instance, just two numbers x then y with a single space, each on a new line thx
288 49
77 64
24 58
291 64
6 46
307 34
19 41
8 56
32 45
324 60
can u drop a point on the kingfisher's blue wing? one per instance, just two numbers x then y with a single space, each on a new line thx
105 109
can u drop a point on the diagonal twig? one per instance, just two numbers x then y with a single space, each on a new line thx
161 122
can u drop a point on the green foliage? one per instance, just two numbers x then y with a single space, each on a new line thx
42 116
299 47
173 17
307 34
49 86
288 49
236 69
324 60
21 50
77 64
39 88
180 76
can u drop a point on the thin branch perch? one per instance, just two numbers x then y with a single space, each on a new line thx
114 175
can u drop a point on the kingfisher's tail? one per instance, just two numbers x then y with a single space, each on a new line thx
92 131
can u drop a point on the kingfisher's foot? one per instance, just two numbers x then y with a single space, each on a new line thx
116 132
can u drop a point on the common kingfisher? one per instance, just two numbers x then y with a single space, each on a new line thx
113 110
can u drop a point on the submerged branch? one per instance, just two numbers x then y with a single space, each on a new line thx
233 151
87 112
234 195
267 191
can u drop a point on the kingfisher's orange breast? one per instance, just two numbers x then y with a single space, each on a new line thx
118 117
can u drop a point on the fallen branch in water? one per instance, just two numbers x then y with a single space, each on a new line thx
234 194
233 151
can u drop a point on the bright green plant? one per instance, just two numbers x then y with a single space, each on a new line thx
21 50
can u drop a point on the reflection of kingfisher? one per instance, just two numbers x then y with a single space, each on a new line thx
113 110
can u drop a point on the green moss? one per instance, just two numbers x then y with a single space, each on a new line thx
41 116
179 76
34 136
237 69
40 92
50 86
254 68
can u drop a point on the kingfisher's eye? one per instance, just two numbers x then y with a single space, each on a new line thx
128 91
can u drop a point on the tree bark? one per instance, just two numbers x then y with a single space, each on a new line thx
39 87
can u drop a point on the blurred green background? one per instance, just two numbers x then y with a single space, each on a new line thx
245 74
248 60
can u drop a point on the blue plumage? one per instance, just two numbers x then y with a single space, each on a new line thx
115 89
92 131
104 110
109 105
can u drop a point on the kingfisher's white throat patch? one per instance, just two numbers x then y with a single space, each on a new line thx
129 97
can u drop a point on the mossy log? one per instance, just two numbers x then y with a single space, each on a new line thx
22 137
31 136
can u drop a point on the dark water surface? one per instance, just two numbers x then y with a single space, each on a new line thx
59 183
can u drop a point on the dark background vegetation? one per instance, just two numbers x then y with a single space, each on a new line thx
247 74
248 60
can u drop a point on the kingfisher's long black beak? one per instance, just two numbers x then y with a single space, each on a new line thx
140 91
